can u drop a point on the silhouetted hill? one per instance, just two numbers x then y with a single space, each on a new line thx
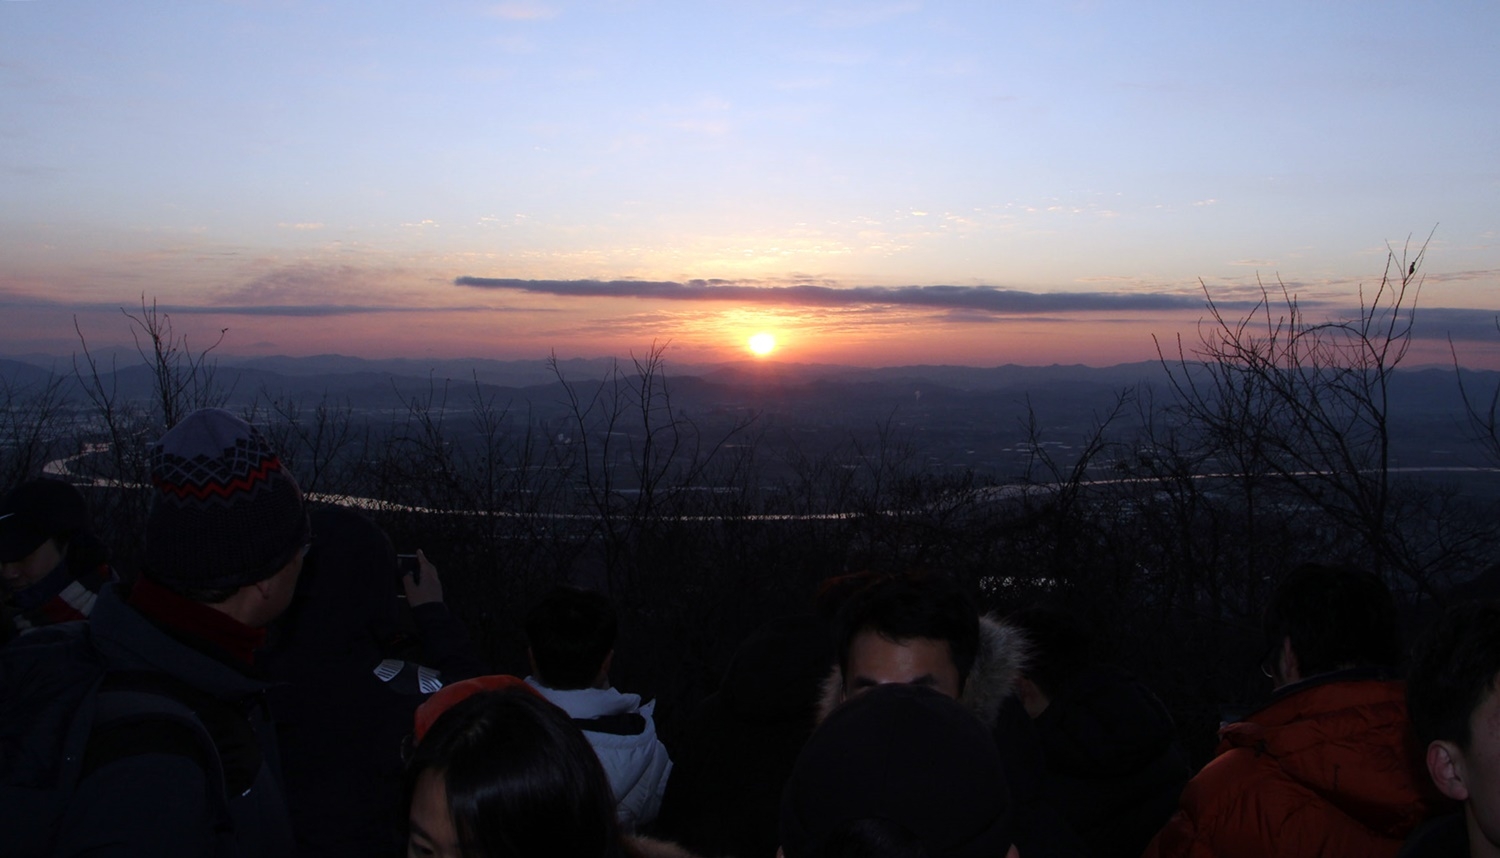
960 414
511 373
18 374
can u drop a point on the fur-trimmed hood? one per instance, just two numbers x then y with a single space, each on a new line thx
1003 655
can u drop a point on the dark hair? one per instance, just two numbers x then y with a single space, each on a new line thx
871 838
521 779
570 632
1061 645
835 590
911 605
1454 667
1336 617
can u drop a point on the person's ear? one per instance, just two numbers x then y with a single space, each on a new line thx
1445 765
779 853
1291 668
601 679
531 660
1032 698
265 588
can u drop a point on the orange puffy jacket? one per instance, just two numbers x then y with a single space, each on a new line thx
1322 771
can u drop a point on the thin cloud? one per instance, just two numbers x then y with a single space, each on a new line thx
302 310
283 310
521 12
290 285
861 15
1438 323
1463 276
980 298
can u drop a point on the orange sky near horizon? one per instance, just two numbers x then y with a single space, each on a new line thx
899 337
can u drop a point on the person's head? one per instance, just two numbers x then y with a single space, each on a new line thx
901 770
347 606
225 517
910 628
570 634
1327 618
1455 710
505 774
38 520
1060 648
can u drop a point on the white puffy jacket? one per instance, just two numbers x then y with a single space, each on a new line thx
634 759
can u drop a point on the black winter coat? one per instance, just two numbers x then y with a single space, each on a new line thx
345 700
1114 767
742 741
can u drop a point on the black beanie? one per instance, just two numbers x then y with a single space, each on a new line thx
39 510
908 758
225 513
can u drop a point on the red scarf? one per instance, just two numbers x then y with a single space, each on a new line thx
202 626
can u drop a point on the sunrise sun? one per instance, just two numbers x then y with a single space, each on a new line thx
763 344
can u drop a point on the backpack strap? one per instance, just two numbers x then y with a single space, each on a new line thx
159 734
231 737
147 712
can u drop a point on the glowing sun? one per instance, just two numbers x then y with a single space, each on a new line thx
763 343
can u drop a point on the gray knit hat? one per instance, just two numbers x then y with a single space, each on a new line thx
225 513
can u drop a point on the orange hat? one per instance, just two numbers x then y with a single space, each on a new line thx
449 695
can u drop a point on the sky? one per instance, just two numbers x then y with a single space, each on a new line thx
873 183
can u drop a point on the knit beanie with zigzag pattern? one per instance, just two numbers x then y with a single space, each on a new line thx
225 512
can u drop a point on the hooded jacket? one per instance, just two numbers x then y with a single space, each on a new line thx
1114 766
343 700
1324 770
158 804
624 737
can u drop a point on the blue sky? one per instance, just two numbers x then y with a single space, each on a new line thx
324 176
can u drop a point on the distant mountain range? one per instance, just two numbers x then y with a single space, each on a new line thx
1059 393
526 373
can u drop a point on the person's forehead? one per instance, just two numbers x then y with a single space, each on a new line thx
871 641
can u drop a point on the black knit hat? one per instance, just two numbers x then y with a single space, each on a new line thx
225 513
908 760
39 510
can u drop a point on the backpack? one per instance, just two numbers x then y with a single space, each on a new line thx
63 715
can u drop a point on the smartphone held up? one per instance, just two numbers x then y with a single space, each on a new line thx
406 564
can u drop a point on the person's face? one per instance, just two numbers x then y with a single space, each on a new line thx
278 591
1481 763
294 574
432 832
876 660
19 574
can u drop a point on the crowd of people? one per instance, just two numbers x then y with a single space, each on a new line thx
273 683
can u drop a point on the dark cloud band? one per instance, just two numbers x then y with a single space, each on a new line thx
984 298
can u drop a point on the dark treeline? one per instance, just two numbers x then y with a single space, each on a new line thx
1165 523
